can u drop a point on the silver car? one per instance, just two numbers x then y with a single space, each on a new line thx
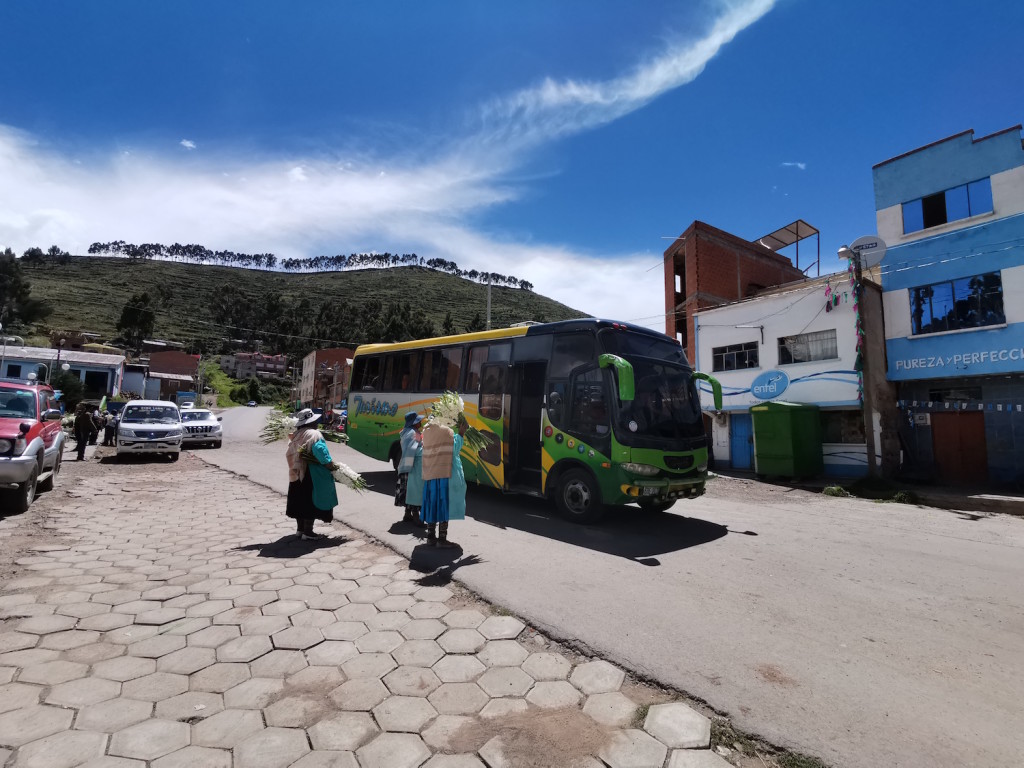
149 426
201 427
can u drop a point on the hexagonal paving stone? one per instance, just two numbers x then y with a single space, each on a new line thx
434 594
244 648
458 669
369 665
423 629
418 653
554 695
17 641
411 681
62 750
504 708
679 726
191 757
388 620
117 597
187 660
279 664
393 750
356 612
160 616
505 681
283 608
82 692
363 594
105 622
329 602
611 709
44 625
379 642
227 729
501 628
465 619
502 653
359 695
297 638
438 734
407 714
124 668
113 715
253 694
52 672
94 652
21 726
547 666
428 610
219 677
298 711
396 603
315 679
597 677
155 647
18 695
458 699
150 739
213 636
311 618
264 625
209 608
130 633
155 687
331 653
271 748
82 610
345 630
344 731
190 705
633 748
461 641
72 638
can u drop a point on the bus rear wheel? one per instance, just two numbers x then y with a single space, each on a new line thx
578 498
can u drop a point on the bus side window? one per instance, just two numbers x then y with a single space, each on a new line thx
477 356
492 389
366 374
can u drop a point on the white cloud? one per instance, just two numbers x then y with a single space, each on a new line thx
801 166
421 205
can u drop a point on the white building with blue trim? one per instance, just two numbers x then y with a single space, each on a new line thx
795 343
952 215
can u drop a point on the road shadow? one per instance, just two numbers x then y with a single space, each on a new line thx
290 546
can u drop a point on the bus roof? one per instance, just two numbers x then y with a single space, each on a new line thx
588 323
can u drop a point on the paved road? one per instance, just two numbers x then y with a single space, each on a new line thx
866 634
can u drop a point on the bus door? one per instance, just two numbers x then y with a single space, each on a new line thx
526 405
493 410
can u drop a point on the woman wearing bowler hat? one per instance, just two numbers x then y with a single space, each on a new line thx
311 492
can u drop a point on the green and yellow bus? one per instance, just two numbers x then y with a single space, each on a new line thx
587 412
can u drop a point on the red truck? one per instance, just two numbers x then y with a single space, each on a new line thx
31 442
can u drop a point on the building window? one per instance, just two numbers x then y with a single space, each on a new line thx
735 357
949 205
820 345
967 302
14 371
842 427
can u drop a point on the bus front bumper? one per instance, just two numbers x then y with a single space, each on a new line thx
660 490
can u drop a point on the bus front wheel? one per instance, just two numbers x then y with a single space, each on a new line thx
578 497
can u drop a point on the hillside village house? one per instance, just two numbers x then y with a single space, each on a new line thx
171 371
325 376
245 365
100 374
798 343
952 215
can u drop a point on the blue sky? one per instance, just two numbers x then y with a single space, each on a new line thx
564 143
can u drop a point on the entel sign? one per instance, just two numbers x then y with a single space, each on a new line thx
940 361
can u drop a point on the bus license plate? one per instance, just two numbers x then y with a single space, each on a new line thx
650 491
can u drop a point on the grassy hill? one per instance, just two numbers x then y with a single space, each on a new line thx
88 293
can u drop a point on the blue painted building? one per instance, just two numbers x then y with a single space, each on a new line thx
952 214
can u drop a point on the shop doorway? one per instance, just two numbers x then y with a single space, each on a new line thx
958 444
741 440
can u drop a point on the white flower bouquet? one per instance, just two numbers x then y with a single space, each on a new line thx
342 474
278 427
448 410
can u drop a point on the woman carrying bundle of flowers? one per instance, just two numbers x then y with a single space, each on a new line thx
311 492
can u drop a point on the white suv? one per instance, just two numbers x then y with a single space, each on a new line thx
149 426
201 427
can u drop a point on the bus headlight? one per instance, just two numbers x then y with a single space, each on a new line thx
702 467
645 470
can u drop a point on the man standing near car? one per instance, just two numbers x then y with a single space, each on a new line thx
83 429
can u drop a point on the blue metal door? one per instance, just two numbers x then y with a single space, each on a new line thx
741 440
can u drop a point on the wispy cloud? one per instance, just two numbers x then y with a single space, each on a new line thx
801 166
303 206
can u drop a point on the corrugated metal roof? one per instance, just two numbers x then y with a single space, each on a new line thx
45 354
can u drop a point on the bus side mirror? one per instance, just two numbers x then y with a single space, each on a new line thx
623 374
716 388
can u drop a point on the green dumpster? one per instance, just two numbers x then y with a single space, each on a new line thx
787 439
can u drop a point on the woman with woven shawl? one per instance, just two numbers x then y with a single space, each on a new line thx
311 492
438 455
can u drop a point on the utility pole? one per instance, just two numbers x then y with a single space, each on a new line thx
488 301
868 406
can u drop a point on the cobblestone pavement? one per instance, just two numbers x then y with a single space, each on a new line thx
170 619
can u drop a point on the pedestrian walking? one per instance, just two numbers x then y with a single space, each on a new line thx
83 429
438 450
311 492
457 483
412 451
109 425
